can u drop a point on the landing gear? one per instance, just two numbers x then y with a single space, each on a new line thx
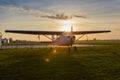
75 48
68 49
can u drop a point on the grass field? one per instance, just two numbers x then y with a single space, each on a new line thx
87 63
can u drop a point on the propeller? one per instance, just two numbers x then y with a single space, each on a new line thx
71 38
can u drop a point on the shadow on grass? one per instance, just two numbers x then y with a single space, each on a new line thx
35 67
97 63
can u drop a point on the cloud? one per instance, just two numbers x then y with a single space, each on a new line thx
58 16
80 16
40 14
63 16
22 9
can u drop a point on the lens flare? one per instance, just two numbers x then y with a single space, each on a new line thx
67 25
47 60
54 51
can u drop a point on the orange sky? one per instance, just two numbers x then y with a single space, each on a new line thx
57 14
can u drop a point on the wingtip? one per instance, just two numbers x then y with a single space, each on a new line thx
6 31
109 31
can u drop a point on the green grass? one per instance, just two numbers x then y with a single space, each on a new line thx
87 63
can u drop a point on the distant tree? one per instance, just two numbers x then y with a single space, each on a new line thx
94 39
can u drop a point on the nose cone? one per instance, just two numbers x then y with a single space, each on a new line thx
73 37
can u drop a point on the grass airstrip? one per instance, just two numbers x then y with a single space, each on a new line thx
87 63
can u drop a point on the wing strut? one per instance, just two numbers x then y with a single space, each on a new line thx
80 37
47 37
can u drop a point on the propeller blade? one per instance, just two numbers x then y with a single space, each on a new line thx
71 39
71 30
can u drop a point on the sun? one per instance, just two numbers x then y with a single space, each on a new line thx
67 25
66 28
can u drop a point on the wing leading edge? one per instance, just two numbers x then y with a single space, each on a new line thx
54 32
35 32
91 32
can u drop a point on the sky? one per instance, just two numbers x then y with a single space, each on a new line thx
55 15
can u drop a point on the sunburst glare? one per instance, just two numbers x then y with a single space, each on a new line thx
47 59
67 25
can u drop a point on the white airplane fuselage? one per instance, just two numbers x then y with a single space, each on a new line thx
65 40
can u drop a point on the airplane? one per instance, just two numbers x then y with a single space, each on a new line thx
63 38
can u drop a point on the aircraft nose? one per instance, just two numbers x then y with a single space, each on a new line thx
73 36
72 39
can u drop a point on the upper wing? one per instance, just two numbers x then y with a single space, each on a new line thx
90 32
54 32
35 32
